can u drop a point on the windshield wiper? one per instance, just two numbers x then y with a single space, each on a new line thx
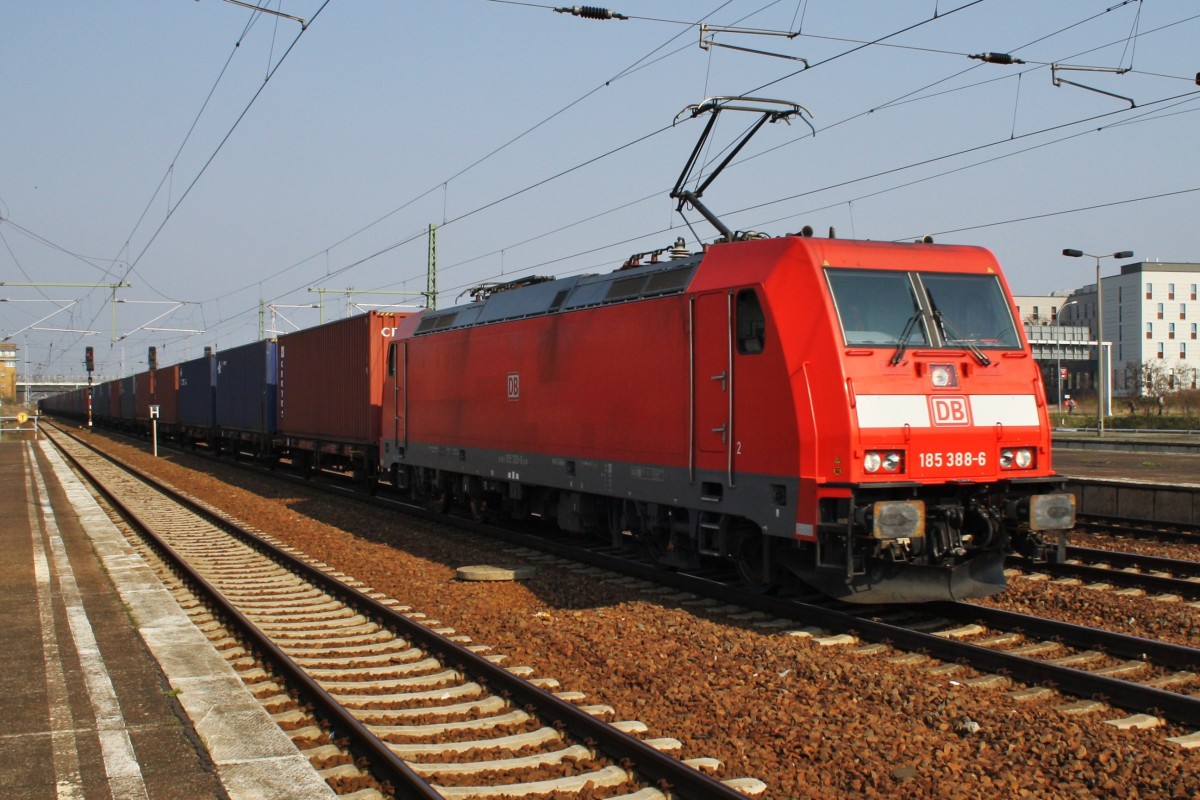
902 345
957 338
950 334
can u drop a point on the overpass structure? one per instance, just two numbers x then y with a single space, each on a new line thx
31 391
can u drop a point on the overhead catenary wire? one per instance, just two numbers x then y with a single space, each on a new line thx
471 212
132 265
409 239
246 110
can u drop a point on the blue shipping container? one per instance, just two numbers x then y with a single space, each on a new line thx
196 392
129 398
247 388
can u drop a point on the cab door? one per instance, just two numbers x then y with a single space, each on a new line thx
712 382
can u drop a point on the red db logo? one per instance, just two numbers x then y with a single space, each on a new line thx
950 411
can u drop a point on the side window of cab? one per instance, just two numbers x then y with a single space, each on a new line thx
751 323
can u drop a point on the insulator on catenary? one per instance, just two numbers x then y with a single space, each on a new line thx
590 12
997 58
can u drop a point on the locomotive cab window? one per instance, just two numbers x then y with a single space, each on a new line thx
970 310
949 310
751 323
877 307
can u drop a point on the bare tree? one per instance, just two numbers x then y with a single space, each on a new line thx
1154 380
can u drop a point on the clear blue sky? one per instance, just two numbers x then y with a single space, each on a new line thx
541 143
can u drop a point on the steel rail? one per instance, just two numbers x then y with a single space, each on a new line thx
1175 566
1115 575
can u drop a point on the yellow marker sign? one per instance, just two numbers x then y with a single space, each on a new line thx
22 418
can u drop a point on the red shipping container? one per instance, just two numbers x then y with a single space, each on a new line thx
143 395
166 394
114 399
331 379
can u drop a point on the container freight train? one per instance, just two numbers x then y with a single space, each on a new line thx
864 417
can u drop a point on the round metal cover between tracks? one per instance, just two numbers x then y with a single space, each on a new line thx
490 572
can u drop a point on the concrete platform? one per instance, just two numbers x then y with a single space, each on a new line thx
106 688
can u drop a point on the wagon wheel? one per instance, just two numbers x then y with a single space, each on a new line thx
749 558
437 495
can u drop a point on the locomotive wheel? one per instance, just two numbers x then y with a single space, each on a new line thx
435 494
477 507
658 546
749 559
439 499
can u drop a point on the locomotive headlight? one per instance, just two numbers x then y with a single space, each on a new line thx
886 460
1016 458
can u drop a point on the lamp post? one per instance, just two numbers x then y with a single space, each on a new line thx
1058 350
1101 378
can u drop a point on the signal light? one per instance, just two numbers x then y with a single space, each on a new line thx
152 358
89 361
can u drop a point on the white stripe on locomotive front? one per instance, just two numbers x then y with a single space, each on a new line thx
898 410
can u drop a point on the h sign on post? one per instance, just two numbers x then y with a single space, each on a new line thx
154 428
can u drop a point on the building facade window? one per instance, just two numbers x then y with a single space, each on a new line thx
1171 330
1193 330
1149 330
1183 310
1160 349
1149 291
1170 291
1193 291
1183 351
1160 310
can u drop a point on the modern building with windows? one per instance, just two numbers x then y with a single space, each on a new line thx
1040 309
1151 315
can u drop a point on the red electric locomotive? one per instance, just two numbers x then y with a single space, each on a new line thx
866 416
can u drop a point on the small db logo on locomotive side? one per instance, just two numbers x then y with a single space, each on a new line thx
950 411
514 386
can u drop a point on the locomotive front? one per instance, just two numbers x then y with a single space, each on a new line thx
943 460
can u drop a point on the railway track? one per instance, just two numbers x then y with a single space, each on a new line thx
1098 671
1141 529
1124 572
1155 681
397 704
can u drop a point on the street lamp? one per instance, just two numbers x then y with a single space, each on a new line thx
1101 378
1058 350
